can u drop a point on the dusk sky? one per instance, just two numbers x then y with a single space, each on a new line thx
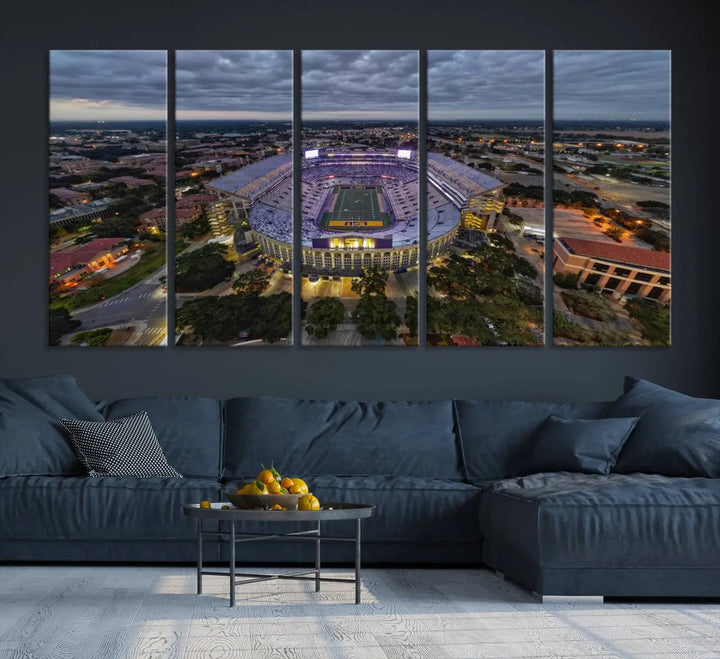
109 85
235 84
612 84
130 85
360 84
486 84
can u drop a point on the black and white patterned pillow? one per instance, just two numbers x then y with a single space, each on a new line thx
121 447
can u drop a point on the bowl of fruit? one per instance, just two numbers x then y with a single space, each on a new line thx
271 491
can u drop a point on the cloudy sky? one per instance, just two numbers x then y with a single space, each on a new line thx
486 84
360 84
235 84
612 84
89 85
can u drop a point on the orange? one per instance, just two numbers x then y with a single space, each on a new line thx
287 482
277 506
308 502
205 504
299 487
266 476
274 487
256 487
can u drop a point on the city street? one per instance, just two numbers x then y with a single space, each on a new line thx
143 304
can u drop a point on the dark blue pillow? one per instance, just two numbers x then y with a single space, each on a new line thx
494 433
32 440
588 446
677 435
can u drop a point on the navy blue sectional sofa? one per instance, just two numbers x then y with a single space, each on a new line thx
441 473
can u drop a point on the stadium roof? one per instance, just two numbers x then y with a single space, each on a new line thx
481 180
235 182
646 258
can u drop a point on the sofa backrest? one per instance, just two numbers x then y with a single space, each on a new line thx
32 440
493 434
189 429
311 437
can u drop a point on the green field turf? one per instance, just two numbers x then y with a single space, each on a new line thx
356 209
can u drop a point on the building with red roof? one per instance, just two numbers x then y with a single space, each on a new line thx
614 268
69 197
72 264
131 181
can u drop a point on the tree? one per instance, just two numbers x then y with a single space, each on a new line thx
457 317
195 228
253 281
590 305
568 280
96 337
202 268
372 282
324 316
214 318
61 322
615 233
122 227
411 314
654 319
131 205
376 317
274 318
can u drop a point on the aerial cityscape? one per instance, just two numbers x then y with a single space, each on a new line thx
107 171
359 199
233 173
611 199
485 129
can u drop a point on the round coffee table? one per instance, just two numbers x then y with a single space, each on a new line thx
331 512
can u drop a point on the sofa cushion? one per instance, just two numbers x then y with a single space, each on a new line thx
121 447
307 437
617 521
107 508
589 446
32 440
677 435
494 434
188 428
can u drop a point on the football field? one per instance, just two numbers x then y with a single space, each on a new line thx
356 208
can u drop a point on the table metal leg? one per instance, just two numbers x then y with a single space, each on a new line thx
357 561
199 555
317 560
232 562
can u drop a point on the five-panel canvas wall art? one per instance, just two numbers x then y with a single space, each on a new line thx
468 230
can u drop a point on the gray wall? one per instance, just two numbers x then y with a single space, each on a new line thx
28 32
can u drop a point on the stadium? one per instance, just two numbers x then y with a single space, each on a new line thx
359 208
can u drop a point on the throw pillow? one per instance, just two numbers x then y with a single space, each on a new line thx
121 447
677 435
589 446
